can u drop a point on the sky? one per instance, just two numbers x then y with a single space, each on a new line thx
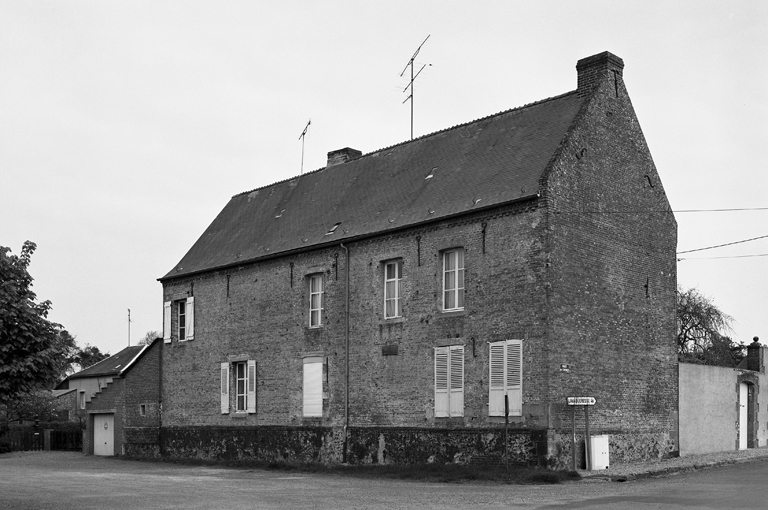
125 127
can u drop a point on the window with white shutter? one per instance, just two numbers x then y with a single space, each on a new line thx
449 381
312 388
241 383
167 322
506 377
224 388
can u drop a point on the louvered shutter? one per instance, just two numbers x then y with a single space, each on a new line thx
224 388
167 322
313 388
190 320
514 376
442 409
456 376
496 379
506 377
251 386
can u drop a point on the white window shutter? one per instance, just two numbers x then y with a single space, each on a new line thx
251 386
515 377
456 399
496 379
224 388
167 322
190 320
442 409
312 389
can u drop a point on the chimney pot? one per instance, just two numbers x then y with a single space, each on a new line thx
592 70
342 156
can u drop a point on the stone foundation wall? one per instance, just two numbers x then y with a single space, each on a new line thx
366 445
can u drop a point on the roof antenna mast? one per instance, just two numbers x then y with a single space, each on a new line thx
301 137
129 327
410 84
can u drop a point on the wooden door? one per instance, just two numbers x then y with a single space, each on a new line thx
104 434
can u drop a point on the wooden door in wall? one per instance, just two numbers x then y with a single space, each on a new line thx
743 414
104 434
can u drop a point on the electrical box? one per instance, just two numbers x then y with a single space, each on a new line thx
599 452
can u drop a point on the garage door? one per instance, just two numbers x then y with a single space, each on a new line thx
103 434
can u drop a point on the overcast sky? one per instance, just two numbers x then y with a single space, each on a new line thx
125 127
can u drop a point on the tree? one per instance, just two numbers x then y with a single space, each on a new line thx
149 337
88 356
30 345
41 405
701 331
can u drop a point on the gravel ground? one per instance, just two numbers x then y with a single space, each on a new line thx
621 472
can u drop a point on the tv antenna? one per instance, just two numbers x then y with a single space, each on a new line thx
410 83
301 137
129 327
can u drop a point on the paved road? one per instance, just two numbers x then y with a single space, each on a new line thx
63 481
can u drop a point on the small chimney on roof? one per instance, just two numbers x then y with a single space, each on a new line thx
342 156
592 70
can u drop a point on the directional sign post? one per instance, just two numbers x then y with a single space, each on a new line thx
585 402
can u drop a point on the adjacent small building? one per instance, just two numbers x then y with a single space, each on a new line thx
405 304
118 399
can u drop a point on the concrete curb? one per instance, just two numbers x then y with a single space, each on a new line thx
669 470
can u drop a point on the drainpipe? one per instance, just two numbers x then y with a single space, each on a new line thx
346 356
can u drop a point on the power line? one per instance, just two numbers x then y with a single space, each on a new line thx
725 257
721 245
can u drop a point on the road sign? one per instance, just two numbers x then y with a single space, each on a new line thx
581 401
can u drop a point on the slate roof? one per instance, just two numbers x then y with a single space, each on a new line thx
113 365
490 161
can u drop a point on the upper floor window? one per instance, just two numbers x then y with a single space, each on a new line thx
180 317
315 300
453 279
392 276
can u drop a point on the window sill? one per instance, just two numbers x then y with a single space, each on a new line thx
238 415
392 320
453 313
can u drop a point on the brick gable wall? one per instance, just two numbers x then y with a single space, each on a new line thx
612 271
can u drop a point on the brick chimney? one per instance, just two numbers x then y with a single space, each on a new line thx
754 355
592 70
342 156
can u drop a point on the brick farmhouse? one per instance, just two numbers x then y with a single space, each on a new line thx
384 308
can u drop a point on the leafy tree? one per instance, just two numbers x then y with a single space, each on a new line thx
149 337
701 331
89 356
30 345
39 404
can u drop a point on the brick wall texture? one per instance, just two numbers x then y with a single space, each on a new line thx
584 275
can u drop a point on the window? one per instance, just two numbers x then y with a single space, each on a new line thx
449 381
241 379
82 400
453 280
315 300
143 409
506 377
244 375
183 312
392 276
312 388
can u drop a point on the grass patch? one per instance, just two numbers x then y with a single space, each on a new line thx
436 473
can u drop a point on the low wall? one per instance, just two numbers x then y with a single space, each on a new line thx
366 445
708 409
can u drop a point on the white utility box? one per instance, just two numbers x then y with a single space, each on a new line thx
599 452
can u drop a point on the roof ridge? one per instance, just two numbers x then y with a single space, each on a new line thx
434 133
